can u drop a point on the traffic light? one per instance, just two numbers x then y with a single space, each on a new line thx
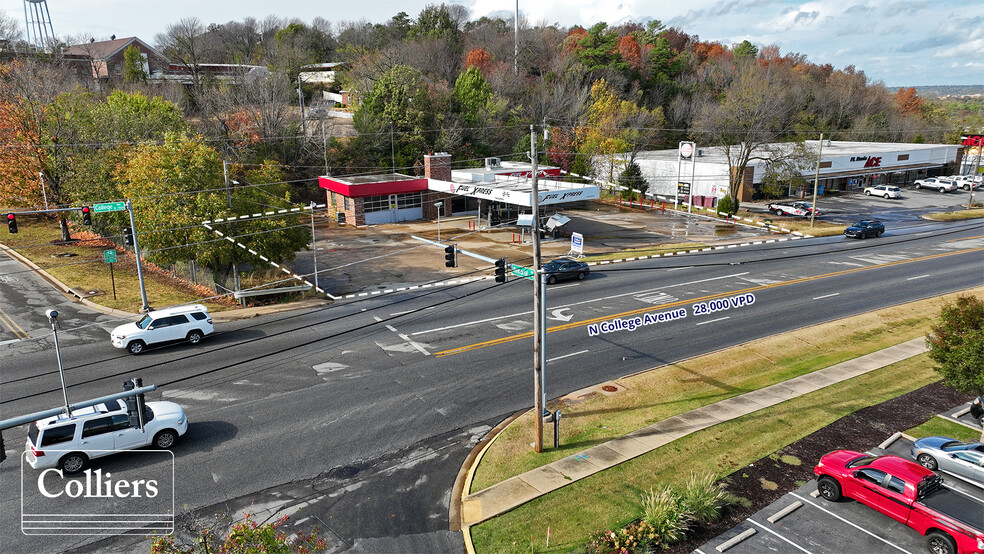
135 403
450 259
11 223
86 216
500 270
131 405
128 236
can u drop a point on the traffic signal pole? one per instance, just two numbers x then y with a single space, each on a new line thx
539 346
136 252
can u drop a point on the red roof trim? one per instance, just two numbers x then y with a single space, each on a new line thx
373 189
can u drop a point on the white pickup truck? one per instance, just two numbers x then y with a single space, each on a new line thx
798 207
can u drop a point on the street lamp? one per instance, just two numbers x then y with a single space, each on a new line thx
438 206
53 318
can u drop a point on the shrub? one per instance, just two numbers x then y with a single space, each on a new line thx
662 510
725 206
704 499
626 540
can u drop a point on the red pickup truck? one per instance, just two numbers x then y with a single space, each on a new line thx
952 522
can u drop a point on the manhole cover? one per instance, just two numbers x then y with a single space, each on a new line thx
609 388
94 292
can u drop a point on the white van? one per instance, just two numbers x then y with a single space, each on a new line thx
184 323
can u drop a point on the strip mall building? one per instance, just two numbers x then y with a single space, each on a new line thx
843 166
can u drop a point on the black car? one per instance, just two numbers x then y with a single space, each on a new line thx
865 229
977 410
564 268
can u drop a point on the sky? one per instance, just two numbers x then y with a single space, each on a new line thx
896 42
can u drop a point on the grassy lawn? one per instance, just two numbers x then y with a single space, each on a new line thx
939 427
611 499
953 216
703 380
81 265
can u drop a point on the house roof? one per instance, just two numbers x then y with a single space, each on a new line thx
101 50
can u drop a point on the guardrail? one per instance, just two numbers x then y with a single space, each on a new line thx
262 292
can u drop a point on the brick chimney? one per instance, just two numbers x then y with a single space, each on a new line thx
438 166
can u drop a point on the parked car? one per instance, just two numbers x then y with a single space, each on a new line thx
964 459
977 410
865 229
936 183
967 182
190 323
884 191
906 492
565 268
799 208
68 443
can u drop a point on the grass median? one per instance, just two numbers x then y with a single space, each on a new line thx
973 213
610 499
80 265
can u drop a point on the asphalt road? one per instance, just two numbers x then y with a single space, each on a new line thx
364 410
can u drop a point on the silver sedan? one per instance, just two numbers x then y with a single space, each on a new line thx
964 459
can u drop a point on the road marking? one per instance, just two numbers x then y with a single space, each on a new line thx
778 535
713 320
858 527
410 341
688 301
826 296
567 355
12 325
559 315
603 298
917 277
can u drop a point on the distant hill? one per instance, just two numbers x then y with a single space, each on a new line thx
950 90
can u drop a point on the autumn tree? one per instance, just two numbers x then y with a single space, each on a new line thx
908 101
480 59
38 135
615 126
178 184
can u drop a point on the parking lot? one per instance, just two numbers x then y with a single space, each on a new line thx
800 521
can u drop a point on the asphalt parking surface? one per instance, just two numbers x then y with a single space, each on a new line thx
818 526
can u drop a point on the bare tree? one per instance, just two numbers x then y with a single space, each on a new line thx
754 112
187 42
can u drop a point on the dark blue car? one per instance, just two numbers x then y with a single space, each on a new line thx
865 229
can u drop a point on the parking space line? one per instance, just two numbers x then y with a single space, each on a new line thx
858 527
778 535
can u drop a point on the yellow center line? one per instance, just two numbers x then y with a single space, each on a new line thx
576 324
965 238
12 325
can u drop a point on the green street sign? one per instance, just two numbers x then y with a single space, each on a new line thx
109 207
109 256
521 271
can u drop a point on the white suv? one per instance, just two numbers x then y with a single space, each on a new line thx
941 184
68 443
885 191
189 323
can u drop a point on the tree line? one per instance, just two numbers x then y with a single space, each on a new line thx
435 82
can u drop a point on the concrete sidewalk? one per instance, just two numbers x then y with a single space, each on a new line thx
515 491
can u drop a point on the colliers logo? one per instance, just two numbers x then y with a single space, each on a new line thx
128 494
96 486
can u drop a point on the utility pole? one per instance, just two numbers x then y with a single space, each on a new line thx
324 144
300 101
816 179
539 336
225 173
314 247
516 45
136 252
977 167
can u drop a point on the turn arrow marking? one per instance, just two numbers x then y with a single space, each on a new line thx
558 315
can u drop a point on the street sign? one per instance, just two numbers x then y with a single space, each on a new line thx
577 243
683 188
109 256
109 207
521 271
